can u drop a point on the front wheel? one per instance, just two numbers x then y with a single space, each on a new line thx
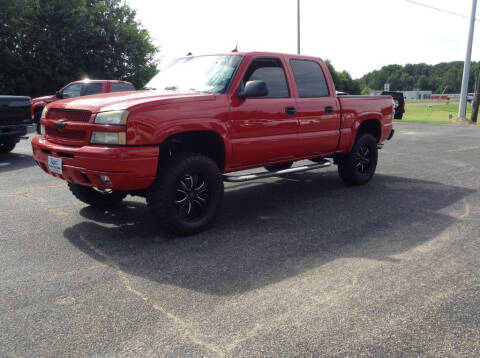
7 147
102 199
186 196
358 166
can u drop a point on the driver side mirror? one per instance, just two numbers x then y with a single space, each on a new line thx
253 89
58 94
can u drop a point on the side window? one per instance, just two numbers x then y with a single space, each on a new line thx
121 87
92 88
269 70
72 90
310 79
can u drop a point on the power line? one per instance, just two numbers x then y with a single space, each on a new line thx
438 9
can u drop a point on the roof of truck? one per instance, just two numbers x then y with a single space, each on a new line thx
255 53
96 81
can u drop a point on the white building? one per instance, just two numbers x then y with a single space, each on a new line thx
417 94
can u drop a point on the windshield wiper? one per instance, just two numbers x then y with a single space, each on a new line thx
149 88
171 88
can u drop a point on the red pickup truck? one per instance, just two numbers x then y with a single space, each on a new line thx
204 118
77 89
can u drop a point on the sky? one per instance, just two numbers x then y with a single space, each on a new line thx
356 35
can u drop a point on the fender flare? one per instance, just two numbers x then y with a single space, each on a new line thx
358 122
192 125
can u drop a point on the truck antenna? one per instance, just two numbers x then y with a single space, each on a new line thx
236 48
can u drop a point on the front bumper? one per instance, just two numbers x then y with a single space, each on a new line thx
12 132
129 168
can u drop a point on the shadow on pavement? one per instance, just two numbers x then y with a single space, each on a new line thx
267 232
14 161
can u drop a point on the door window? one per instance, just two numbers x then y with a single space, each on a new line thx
92 88
269 70
310 79
121 87
72 90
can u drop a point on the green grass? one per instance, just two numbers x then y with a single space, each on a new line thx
435 113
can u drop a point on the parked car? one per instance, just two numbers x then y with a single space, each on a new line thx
470 97
210 116
78 89
15 116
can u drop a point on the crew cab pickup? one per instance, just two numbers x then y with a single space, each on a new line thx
15 116
205 118
77 89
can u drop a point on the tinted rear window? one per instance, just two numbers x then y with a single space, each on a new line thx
309 78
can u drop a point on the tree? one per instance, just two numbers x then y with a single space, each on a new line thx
45 44
343 81
421 76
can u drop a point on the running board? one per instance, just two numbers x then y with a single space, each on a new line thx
262 175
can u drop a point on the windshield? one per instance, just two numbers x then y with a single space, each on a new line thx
209 74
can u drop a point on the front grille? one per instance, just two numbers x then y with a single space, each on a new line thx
66 134
69 115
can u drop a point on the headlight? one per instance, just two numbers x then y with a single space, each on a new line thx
42 129
44 113
118 118
118 138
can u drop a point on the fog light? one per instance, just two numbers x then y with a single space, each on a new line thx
105 179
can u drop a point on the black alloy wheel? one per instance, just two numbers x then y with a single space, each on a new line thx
358 166
187 194
192 196
363 159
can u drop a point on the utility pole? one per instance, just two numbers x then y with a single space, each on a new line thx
298 26
462 111
476 101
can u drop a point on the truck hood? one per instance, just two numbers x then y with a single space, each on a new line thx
128 100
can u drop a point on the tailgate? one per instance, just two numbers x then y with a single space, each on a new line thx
15 110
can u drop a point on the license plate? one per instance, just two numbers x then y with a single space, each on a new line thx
55 165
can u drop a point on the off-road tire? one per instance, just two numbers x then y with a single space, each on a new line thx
172 203
97 198
356 167
7 147
277 167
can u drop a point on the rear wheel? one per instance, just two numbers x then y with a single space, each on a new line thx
7 147
277 167
102 199
358 166
186 196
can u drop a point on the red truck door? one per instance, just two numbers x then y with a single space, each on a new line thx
318 110
264 129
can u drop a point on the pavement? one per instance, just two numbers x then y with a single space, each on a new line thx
300 266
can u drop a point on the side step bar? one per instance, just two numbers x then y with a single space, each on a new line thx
262 175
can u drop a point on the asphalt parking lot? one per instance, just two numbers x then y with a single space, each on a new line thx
295 266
